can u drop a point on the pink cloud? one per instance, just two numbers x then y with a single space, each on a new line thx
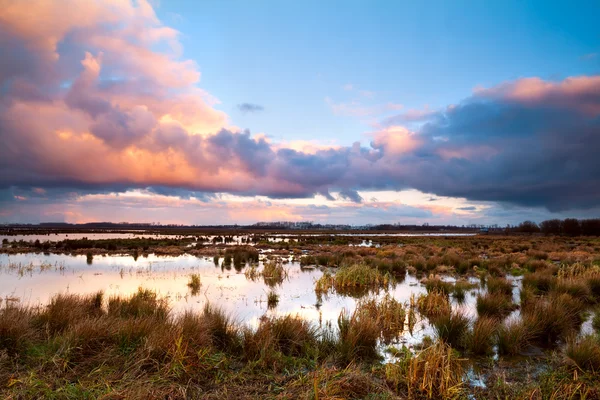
567 93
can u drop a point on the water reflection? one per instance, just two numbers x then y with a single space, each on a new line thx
35 278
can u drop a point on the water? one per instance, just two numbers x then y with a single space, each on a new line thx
57 237
35 278
232 239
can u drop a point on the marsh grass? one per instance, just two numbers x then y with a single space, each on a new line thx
541 282
452 328
433 373
288 335
353 279
15 332
221 328
272 300
360 275
64 309
143 303
494 305
357 340
554 318
499 286
483 336
194 283
514 336
460 289
584 353
438 285
274 273
388 313
433 304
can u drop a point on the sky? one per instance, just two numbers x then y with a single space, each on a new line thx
349 112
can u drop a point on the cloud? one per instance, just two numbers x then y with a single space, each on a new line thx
351 195
467 208
250 108
91 106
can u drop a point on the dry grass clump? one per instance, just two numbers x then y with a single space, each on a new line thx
584 353
577 288
452 328
143 303
436 284
460 288
273 273
554 318
482 338
388 314
360 275
351 382
222 330
540 282
64 309
494 305
288 335
15 329
434 373
194 283
272 300
513 337
500 286
433 304
357 340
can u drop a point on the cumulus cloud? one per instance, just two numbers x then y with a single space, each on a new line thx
89 105
250 108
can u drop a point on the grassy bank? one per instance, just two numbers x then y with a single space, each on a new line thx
93 347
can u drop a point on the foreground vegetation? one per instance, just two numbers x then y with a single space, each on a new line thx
92 347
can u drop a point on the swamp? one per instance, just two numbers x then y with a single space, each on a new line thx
311 316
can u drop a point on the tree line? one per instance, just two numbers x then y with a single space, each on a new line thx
565 227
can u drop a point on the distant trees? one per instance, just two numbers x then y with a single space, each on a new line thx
528 227
551 227
570 227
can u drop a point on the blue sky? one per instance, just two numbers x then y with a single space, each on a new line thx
290 56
